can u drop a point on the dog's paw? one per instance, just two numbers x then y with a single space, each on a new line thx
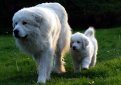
41 80
60 69
85 68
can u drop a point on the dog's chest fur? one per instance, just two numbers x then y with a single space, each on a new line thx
78 55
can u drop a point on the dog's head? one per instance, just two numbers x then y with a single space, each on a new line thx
79 41
28 23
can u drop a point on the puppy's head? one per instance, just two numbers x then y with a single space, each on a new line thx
79 41
26 23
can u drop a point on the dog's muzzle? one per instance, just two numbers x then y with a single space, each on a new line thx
16 34
74 47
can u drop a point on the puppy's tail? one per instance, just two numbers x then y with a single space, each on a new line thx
90 32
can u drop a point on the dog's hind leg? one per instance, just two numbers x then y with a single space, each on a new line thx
62 48
93 61
94 57
59 63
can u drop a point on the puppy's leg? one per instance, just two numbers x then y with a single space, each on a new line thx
76 66
44 66
86 63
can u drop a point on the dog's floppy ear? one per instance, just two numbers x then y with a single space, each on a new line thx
38 18
71 43
85 42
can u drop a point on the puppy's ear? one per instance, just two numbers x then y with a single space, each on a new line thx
85 42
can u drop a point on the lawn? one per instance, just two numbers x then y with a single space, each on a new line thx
17 68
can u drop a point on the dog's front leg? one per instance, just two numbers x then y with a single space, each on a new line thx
86 62
76 66
44 65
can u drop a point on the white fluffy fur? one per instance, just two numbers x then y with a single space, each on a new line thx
43 32
84 49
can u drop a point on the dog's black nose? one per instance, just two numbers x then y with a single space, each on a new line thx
74 47
16 33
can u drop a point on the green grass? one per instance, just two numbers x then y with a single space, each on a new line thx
16 68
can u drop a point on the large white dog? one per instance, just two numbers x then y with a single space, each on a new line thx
43 32
84 49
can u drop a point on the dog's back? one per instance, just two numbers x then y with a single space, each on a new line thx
63 43
90 33
65 34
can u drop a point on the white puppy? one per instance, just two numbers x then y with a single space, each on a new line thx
43 32
84 49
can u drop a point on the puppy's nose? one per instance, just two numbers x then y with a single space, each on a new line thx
74 47
16 33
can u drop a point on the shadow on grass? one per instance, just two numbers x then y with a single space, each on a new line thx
19 80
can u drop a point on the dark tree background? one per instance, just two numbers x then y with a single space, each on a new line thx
82 13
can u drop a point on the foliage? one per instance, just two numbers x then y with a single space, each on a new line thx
82 13
99 13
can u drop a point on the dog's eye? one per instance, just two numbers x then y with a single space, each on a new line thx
24 23
16 23
78 41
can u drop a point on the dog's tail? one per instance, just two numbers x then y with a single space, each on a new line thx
90 32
